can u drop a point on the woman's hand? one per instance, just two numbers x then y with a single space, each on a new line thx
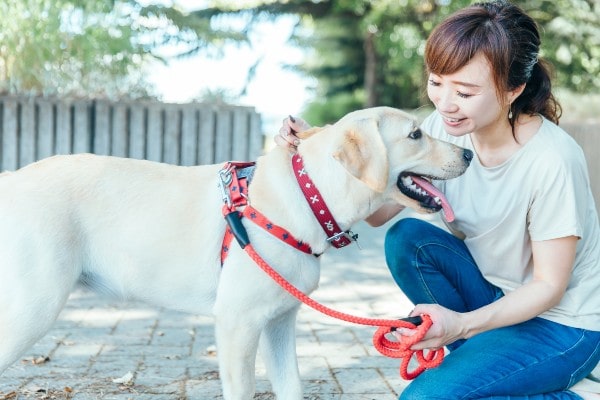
447 327
290 126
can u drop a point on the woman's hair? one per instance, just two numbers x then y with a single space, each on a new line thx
509 40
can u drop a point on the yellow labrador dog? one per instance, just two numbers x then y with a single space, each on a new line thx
153 232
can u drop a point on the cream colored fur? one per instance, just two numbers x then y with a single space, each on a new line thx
153 232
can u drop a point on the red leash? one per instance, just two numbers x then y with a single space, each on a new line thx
233 191
388 348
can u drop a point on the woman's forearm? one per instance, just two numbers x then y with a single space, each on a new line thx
522 304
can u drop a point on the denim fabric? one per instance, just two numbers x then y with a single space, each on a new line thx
537 359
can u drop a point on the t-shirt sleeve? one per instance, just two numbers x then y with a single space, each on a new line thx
560 195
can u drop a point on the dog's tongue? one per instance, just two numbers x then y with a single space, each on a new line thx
433 191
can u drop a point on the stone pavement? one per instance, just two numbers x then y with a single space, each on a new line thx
103 349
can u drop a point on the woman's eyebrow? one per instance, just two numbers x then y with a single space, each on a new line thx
467 84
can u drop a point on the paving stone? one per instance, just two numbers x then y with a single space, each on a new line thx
169 354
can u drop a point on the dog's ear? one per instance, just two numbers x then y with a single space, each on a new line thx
363 154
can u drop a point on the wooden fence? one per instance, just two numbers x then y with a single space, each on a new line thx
183 134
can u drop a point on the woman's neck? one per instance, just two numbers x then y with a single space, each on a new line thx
497 144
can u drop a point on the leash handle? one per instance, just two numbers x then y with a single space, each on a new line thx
416 321
386 347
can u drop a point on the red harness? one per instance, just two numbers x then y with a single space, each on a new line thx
233 181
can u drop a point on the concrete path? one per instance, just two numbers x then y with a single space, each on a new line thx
103 349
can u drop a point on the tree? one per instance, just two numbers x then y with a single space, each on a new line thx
360 52
92 48
369 52
388 39
571 40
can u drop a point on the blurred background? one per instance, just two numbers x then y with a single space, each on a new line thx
317 59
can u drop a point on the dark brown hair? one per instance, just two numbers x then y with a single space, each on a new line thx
509 39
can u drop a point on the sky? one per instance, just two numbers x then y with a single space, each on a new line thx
274 92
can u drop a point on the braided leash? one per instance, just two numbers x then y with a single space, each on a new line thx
386 347
233 193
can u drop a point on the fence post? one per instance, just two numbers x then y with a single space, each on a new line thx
27 143
171 135
184 134
120 132
206 136
189 136
10 144
64 129
154 144
45 129
137 131
82 127
101 131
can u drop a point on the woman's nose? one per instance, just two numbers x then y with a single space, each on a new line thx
444 101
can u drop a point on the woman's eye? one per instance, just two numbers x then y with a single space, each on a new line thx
463 95
433 83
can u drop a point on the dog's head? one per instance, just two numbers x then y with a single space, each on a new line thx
384 148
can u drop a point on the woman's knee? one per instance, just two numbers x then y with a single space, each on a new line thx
401 244
401 239
404 232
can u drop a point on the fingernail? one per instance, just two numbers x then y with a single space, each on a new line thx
292 118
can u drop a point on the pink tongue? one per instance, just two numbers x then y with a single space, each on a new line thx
433 191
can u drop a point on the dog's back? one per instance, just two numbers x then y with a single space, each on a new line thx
129 227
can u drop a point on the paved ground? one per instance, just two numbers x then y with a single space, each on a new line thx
103 349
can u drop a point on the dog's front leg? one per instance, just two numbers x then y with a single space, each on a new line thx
278 350
237 343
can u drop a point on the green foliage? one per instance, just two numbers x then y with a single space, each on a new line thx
571 40
370 52
361 52
97 48
69 47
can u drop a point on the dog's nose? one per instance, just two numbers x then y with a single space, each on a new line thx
467 155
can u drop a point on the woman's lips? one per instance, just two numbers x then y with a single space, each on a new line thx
453 121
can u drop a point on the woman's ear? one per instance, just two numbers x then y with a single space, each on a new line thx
516 92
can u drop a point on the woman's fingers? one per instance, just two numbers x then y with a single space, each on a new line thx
287 141
286 136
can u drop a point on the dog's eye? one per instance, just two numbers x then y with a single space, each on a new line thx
416 134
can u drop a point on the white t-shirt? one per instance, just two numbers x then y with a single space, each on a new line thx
541 192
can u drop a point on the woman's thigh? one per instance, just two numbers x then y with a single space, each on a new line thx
431 265
537 359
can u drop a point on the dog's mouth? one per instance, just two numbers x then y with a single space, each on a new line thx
419 188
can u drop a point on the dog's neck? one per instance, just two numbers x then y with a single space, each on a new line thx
274 182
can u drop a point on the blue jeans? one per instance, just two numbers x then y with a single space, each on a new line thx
536 359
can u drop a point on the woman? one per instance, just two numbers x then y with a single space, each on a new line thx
514 290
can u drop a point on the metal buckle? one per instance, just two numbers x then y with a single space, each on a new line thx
225 178
337 237
353 237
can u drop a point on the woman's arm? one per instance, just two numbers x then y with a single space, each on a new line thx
553 264
384 214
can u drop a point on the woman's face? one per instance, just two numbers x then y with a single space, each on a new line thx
467 99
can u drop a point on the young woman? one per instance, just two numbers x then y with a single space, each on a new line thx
514 289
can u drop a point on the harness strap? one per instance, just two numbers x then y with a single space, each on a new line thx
234 190
235 178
